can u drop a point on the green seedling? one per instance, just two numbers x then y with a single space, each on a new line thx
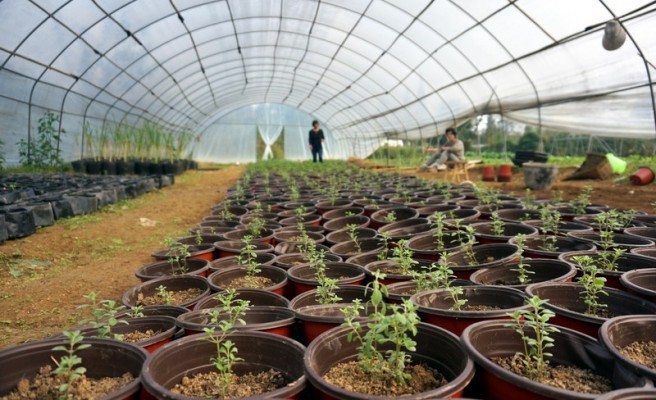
593 285
69 367
522 272
103 316
390 216
402 256
164 295
533 327
498 226
352 231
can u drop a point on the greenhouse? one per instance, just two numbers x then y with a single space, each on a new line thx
327 199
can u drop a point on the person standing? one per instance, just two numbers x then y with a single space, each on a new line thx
316 139
453 150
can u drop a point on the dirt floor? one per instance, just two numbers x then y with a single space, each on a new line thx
44 276
620 194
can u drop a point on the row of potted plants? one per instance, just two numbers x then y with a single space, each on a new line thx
332 260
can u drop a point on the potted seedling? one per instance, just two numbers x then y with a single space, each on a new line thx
536 359
431 245
250 274
498 231
379 355
585 305
472 258
180 290
179 262
306 277
522 272
397 267
454 307
71 367
177 254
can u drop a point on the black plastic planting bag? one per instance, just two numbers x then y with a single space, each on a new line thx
42 213
19 222
3 229
62 208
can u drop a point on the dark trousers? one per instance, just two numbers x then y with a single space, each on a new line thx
317 152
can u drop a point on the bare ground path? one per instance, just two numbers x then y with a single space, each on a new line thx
43 277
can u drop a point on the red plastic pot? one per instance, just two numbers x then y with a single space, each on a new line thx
565 300
643 176
619 332
256 297
488 339
626 262
229 248
218 279
260 351
488 173
436 348
314 318
275 320
435 306
303 279
199 267
502 254
504 173
105 358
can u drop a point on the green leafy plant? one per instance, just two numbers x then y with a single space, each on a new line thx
395 324
351 230
446 277
386 238
103 315
390 216
582 201
550 226
164 294
439 230
533 327
402 256
528 201
248 257
256 226
178 254
498 226
436 276
43 151
228 314
593 285
522 272
69 367
136 312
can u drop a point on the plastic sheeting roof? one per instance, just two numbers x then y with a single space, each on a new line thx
365 68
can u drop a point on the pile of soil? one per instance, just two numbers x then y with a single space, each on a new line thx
138 336
643 352
177 297
561 376
203 385
352 377
45 386
252 282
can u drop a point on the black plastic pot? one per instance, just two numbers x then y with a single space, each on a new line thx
229 248
159 269
233 261
266 236
295 247
403 230
630 394
295 236
641 282
564 227
543 271
534 246
390 264
425 246
430 209
348 249
484 234
399 291
619 332
644 232
172 283
105 358
342 223
622 241
289 260
256 297
191 355
565 300
626 262
341 235
518 215
487 256
342 212
436 348
401 213
435 306
488 339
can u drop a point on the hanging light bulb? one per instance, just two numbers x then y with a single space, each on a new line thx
614 35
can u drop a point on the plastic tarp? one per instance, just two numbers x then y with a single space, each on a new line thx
369 69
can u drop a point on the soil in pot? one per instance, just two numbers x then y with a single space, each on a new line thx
276 320
426 245
642 352
169 297
349 249
269 278
250 384
181 290
303 277
342 235
191 266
